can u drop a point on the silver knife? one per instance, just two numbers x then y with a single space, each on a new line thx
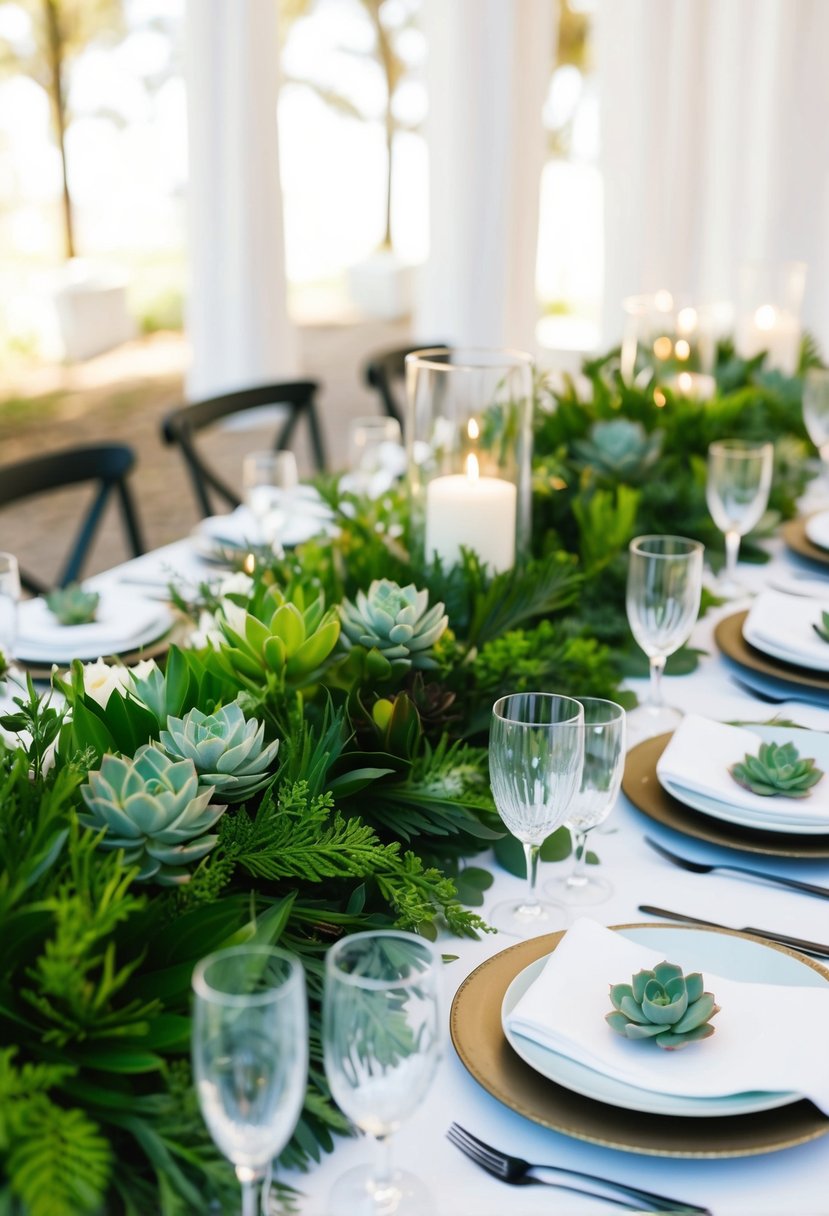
782 939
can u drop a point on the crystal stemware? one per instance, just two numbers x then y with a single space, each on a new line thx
250 1055
604 762
376 456
737 492
382 1041
536 749
9 599
266 478
664 587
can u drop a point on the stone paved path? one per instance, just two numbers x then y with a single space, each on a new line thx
122 396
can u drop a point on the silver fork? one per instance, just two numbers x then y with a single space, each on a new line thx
518 1172
698 867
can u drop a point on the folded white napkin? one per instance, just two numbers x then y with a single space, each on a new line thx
768 1037
304 515
817 529
700 753
123 620
782 626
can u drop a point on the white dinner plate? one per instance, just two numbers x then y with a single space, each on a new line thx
817 529
720 953
125 623
777 651
814 743
219 535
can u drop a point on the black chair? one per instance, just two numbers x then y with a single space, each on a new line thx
108 465
182 425
385 371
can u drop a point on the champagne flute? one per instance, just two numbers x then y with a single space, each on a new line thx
250 1055
382 1042
664 587
604 762
9 600
737 492
536 750
816 410
376 456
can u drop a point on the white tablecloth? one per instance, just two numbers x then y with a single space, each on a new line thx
794 1181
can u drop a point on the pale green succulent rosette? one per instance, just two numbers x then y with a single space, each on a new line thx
227 749
73 605
777 769
396 621
154 809
663 1005
283 637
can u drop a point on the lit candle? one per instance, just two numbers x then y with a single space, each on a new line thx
770 329
691 384
465 509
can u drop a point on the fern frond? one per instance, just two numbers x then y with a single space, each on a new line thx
61 1164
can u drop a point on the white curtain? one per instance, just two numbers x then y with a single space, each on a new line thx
488 71
237 317
714 146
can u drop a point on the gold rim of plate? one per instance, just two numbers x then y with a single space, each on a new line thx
795 538
728 634
641 786
475 1027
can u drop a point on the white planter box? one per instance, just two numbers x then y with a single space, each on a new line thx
91 306
381 286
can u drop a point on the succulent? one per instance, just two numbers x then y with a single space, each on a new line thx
822 630
620 449
226 747
72 605
663 1005
777 769
277 634
396 621
154 809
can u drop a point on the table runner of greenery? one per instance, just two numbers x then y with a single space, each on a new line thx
338 715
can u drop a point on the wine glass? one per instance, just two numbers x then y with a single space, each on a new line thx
536 749
266 478
816 410
604 762
737 492
376 457
382 1041
664 587
9 599
250 1055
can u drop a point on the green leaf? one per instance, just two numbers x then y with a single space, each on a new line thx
510 852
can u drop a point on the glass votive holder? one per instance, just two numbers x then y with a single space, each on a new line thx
667 338
469 447
769 303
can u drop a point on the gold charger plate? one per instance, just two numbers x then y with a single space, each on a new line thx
475 1026
641 785
728 635
795 538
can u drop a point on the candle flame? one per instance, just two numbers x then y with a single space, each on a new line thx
472 470
663 347
686 320
685 382
473 430
766 316
682 349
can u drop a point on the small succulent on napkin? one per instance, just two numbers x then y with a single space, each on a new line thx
822 630
663 1005
72 605
777 769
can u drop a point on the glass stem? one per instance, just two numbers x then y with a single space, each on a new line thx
531 855
383 1176
578 877
657 666
732 552
249 1182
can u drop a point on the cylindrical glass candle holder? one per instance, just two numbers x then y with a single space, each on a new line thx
768 313
469 446
669 341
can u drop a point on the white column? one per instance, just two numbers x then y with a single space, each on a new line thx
237 318
713 146
489 65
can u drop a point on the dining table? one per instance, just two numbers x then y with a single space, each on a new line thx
752 1182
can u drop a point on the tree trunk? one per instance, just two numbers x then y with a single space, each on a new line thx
54 52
